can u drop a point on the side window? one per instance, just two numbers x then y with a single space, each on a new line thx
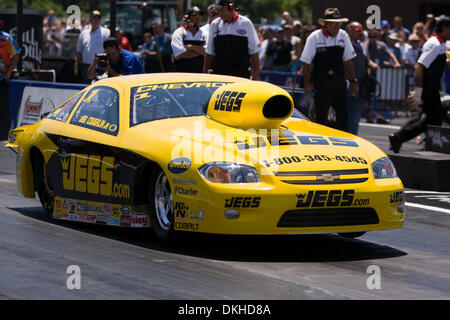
99 110
63 112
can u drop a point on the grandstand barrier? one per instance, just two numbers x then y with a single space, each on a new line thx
29 100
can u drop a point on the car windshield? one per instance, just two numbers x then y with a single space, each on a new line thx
172 100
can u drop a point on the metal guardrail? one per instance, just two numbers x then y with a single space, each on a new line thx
392 83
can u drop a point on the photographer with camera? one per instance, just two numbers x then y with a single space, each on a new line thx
115 62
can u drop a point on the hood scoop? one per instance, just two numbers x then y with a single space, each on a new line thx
251 105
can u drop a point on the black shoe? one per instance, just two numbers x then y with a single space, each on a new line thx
395 142
383 121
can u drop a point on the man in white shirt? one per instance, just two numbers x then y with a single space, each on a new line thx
330 51
188 43
428 73
89 43
233 44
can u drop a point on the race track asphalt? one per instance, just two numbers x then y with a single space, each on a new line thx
36 252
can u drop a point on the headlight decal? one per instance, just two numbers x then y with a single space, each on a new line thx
223 172
383 169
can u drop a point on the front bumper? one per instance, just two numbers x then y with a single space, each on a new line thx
281 210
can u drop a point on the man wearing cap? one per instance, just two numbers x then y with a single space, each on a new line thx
89 43
330 52
233 44
412 53
428 73
188 43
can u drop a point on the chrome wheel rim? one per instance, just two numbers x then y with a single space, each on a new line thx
163 202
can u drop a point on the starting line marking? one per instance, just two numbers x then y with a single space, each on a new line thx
421 206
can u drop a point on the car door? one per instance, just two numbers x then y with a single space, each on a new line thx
85 167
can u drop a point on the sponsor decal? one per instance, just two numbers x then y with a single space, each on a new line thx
398 196
65 216
125 210
97 123
318 140
186 226
329 198
72 206
316 157
229 101
287 137
103 213
125 221
179 165
82 207
183 181
241 32
106 208
143 92
197 214
181 210
92 174
102 219
256 142
139 221
185 191
90 218
242 202
113 221
33 109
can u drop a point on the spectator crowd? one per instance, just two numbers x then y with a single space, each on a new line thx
393 45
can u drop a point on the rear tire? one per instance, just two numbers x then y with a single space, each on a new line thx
160 206
352 235
41 185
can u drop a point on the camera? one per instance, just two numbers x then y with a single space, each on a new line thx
102 60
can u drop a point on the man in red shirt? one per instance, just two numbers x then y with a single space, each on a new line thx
122 41
9 57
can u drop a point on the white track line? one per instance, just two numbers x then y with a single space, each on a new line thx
375 125
421 206
426 192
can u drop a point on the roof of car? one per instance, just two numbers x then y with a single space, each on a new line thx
153 78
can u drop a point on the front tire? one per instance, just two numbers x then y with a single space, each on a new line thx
160 206
41 185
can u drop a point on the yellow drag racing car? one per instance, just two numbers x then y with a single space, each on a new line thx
203 153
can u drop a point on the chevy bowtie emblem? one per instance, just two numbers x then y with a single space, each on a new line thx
328 177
